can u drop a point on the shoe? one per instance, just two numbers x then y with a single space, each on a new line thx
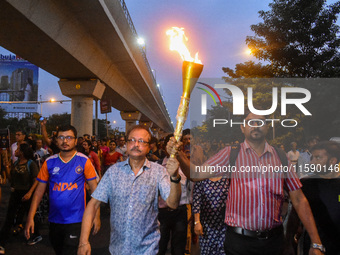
2 250
34 239
18 229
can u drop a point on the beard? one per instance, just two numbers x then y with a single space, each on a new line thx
256 135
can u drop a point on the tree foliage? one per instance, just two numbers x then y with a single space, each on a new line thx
298 38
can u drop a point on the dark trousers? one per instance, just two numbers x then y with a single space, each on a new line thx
65 238
236 244
16 210
173 223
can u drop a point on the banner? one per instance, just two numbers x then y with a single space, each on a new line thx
18 83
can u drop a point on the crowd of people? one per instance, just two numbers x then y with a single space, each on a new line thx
156 203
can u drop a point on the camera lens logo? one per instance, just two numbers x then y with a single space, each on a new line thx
204 97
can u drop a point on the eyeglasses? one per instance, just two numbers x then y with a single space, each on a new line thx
140 141
258 123
68 138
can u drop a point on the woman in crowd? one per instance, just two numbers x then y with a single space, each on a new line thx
111 157
87 145
209 200
23 183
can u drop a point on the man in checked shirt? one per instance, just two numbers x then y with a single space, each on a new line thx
253 207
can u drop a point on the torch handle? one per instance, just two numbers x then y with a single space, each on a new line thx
182 114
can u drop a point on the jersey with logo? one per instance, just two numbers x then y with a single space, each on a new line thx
67 186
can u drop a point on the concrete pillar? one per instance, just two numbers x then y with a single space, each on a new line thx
130 118
82 94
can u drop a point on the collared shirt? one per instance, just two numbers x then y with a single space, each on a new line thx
255 199
134 206
302 168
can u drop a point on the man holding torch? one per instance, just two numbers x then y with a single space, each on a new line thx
253 207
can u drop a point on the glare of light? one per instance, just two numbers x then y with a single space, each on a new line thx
140 41
52 100
248 51
158 85
114 122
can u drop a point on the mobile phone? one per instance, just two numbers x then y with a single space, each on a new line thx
41 118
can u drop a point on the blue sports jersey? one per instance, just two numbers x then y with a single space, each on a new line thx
67 186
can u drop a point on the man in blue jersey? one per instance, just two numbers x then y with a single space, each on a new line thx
65 173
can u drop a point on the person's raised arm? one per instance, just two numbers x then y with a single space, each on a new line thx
175 185
44 133
184 162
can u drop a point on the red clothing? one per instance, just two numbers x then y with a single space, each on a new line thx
255 199
111 159
94 160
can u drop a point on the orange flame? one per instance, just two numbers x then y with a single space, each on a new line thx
177 38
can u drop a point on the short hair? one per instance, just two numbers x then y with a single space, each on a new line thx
167 139
22 132
67 128
27 151
140 127
332 149
186 132
87 135
312 138
88 142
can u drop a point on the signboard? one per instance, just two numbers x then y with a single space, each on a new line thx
18 82
105 106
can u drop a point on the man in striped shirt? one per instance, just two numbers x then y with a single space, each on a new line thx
253 209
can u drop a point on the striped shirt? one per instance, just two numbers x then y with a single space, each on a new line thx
255 198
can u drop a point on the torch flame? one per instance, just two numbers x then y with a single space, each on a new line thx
177 38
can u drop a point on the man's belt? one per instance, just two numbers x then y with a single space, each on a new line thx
257 234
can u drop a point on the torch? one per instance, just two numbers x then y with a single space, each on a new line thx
191 70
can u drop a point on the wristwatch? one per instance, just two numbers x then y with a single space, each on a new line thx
318 246
177 180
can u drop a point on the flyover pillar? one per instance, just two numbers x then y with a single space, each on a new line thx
130 118
82 94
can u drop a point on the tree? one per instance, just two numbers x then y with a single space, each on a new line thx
298 38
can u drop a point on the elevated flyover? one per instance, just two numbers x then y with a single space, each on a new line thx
91 46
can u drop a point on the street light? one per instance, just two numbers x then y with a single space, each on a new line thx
141 42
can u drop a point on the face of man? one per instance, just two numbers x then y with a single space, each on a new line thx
320 157
186 139
254 132
66 141
19 137
138 148
39 144
121 141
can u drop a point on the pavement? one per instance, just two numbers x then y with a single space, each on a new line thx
99 243
16 245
